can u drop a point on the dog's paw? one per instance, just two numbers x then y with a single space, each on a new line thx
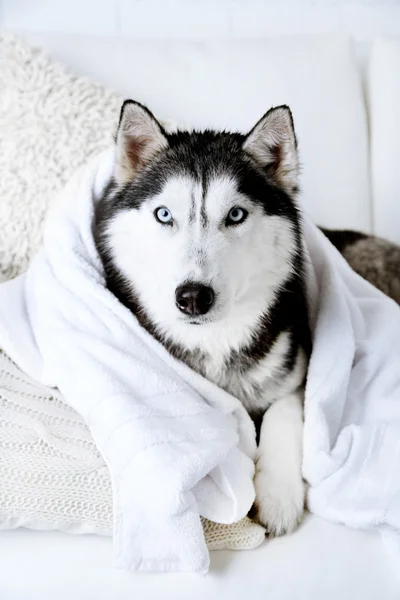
279 504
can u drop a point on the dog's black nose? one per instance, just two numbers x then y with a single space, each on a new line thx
194 299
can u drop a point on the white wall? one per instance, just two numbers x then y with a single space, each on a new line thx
202 18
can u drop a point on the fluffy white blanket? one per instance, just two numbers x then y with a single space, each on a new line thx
176 445
352 406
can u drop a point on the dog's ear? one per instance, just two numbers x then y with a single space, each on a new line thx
139 138
272 143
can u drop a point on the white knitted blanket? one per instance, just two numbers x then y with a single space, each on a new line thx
52 475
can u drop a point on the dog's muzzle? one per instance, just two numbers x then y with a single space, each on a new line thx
194 299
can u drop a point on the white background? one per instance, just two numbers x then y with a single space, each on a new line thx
202 18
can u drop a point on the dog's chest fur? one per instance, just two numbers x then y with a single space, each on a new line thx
258 372
255 382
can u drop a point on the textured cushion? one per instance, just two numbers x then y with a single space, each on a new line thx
50 123
384 93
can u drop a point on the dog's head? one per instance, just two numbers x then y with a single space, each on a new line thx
200 227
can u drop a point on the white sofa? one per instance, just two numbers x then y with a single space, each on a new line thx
338 96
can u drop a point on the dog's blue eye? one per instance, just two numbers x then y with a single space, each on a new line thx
236 215
163 215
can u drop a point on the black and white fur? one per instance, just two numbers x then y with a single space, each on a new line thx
230 225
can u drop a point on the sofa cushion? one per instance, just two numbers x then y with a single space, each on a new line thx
384 100
232 83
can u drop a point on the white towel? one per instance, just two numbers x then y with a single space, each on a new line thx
178 447
352 406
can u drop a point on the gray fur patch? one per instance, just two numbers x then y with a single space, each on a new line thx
378 261
375 259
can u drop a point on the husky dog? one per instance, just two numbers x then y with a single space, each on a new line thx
375 259
201 238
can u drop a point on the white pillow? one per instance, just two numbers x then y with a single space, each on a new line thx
384 100
232 83
51 122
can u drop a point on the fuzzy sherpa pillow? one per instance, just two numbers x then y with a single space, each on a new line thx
51 122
